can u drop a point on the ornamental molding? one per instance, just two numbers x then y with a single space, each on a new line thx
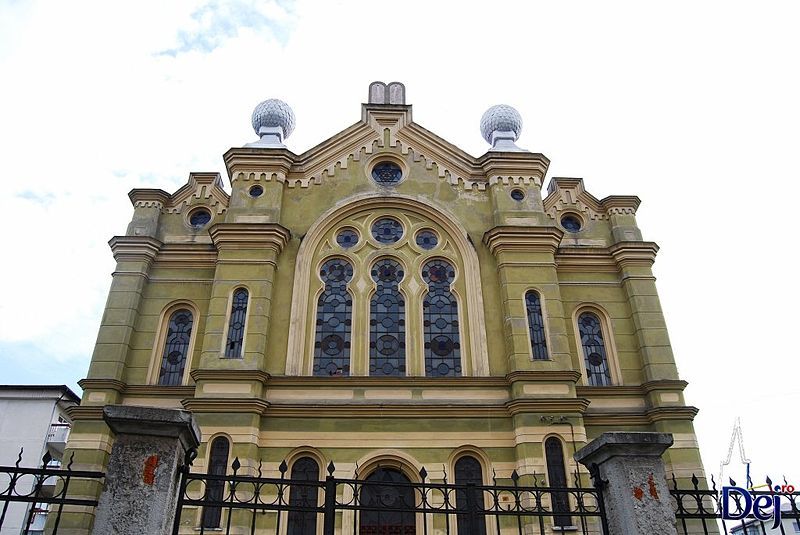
134 248
204 189
237 236
386 129
569 194
504 239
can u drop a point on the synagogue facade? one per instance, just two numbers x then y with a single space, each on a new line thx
387 302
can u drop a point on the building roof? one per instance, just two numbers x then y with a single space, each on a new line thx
63 390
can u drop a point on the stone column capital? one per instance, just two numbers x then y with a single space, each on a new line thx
153 422
623 444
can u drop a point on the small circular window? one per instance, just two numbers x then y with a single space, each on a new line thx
347 238
387 173
571 223
517 194
387 230
256 191
427 239
199 218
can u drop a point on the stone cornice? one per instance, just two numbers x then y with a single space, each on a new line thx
514 167
230 375
233 236
226 405
648 417
136 390
257 160
658 414
631 390
502 239
572 376
148 197
634 253
569 194
102 384
585 260
78 412
134 248
180 255
560 405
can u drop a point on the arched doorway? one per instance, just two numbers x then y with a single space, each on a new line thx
391 495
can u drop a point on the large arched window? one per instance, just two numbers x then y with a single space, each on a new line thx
233 346
334 311
387 331
594 349
217 466
533 306
557 478
440 321
388 500
176 348
300 495
468 472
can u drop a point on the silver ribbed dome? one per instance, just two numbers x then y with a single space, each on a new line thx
501 118
274 113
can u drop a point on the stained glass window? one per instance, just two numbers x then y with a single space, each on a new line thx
176 348
199 218
387 230
347 238
387 173
334 309
571 223
217 466
302 496
468 472
427 239
440 321
233 347
594 349
533 305
557 478
387 331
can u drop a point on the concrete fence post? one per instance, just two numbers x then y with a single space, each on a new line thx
636 496
141 485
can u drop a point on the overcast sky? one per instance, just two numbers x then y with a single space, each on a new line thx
694 106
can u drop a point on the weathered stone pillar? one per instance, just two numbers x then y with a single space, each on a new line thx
636 497
142 486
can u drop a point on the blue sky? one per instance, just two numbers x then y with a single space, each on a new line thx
690 105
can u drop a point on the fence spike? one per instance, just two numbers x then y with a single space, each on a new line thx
259 467
331 468
46 458
713 483
423 474
674 481
733 483
71 459
19 458
494 476
515 476
769 482
355 472
283 468
695 482
236 465
444 471
784 481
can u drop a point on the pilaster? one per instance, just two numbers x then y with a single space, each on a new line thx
247 256
635 260
134 256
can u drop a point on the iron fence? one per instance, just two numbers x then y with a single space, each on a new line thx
41 491
700 510
388 503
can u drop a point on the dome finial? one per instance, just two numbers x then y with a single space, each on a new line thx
501 126
273 121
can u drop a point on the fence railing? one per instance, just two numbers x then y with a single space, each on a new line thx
384 502
700 510
27 493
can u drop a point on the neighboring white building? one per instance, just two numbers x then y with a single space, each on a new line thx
34 418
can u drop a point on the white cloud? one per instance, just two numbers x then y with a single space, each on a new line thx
691 106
